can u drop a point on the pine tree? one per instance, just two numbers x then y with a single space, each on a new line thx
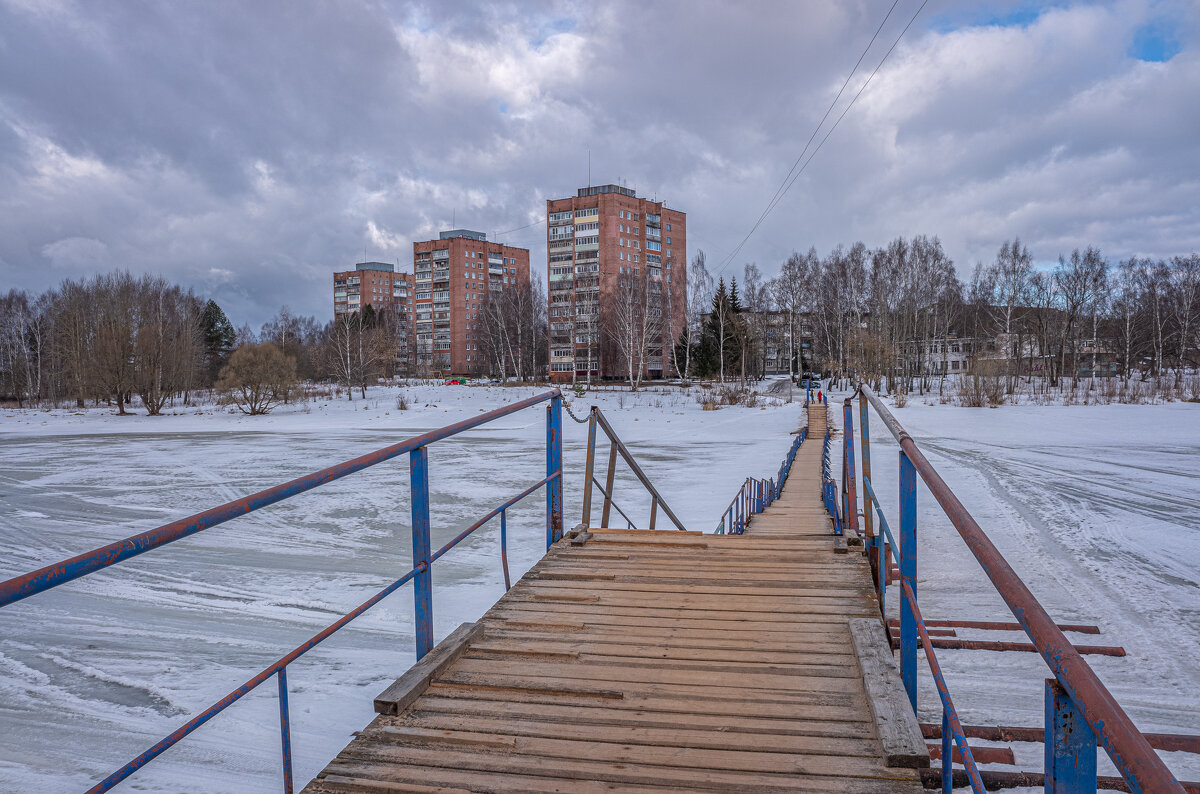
219 337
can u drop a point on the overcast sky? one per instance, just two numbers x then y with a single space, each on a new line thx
248 150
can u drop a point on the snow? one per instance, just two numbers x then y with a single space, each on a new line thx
95 672
1097 508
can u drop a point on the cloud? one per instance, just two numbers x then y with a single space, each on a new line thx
76 253
250 151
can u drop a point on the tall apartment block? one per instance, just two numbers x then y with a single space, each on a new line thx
377 284
599 242
453 276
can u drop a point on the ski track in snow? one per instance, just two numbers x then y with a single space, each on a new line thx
1096 508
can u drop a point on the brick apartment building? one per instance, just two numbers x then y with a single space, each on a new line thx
596 243
453 275
378 285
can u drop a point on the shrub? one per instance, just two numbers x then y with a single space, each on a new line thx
257 378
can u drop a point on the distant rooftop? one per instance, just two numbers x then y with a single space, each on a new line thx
598 189
386 266
470 235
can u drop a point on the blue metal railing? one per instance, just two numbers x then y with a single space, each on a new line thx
828 486
756 495
420 574
1080 713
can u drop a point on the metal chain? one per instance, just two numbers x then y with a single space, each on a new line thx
571 413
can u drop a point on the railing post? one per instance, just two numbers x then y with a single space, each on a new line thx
608 482
947 754
885 562
1070 745
285 730
418 464
908 573
554 488
864 433
590 472
851 469
504 547
653 511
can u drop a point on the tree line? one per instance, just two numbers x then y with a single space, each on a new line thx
115 337
885 314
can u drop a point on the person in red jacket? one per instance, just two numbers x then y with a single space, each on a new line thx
818 395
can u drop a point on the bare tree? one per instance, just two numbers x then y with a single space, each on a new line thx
691 299
167 347
1185 303
791 290
633 321
355 350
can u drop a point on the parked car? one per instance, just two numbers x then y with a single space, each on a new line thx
454 381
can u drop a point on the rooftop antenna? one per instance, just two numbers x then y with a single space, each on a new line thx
454 218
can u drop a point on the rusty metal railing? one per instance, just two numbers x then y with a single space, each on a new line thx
1080 711
596 419
420 574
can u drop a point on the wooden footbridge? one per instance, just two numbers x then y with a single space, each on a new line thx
637 661
753 659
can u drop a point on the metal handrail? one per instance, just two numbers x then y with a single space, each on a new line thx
596 419
756 495
20 587
828 486
951 726
52 576
1129 750
613 502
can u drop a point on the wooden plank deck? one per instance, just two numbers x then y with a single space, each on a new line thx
652 662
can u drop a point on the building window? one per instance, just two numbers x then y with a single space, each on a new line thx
668 227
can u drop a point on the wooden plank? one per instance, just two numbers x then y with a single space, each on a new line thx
663 713
577 773
895 724
408 687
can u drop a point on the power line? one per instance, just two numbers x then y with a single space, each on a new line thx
783 185
790 178
538 222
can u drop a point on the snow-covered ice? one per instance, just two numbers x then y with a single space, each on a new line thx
96 671
1096 508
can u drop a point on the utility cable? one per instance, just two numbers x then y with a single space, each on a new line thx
791 178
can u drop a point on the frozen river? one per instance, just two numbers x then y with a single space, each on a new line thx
1097 508
93 673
